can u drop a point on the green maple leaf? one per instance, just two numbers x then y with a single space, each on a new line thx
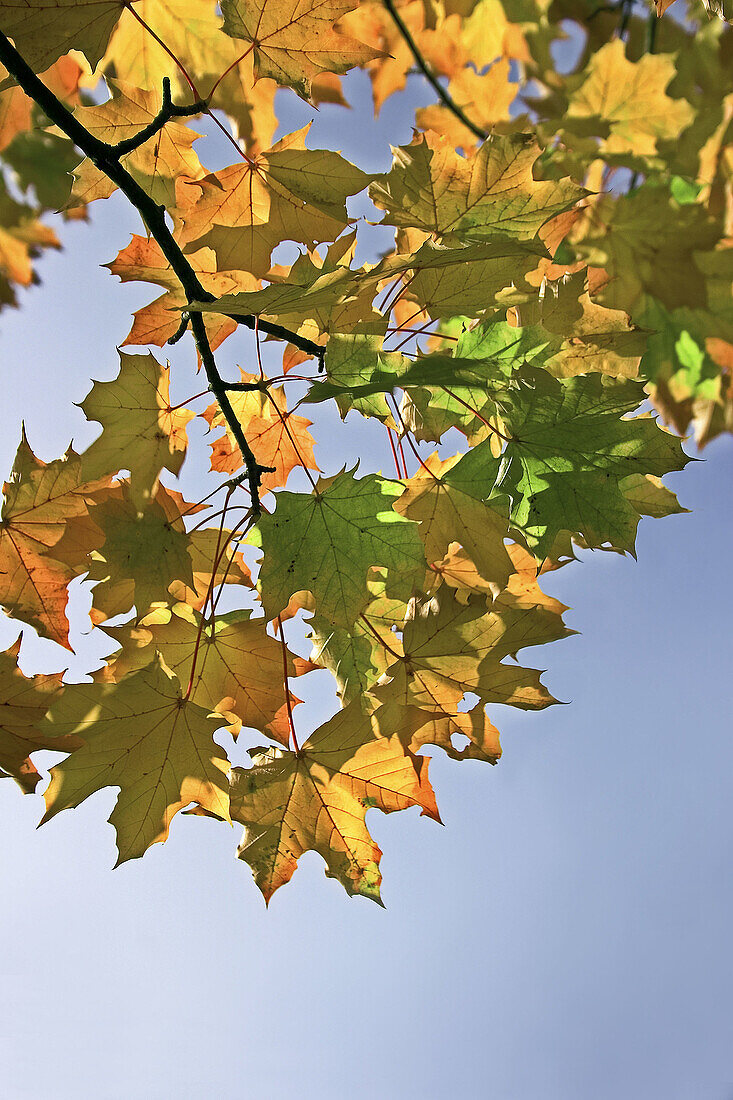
568 451
142 736
464 281
326 542
142 433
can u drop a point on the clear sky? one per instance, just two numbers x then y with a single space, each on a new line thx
566 936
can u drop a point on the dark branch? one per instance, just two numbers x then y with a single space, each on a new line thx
430 76
273 329
106 157
246 387
165 114
180 331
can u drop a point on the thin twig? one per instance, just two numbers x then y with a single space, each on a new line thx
430 76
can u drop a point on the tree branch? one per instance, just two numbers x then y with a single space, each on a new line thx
165 114
430 76
107 159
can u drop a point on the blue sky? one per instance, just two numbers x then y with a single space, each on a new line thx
565 936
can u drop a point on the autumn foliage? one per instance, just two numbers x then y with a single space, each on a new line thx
563 222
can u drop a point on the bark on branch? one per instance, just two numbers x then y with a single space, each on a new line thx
107 158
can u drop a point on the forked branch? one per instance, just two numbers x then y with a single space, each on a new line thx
107 158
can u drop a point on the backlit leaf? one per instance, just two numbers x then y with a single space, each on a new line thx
142 736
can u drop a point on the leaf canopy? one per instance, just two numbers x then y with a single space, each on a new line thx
552 286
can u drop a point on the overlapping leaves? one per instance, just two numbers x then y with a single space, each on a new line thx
531 294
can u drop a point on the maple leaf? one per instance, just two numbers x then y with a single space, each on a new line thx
143 260
23 704
278 437
15 115
482 737
349 655
459 571
358 373
358 656
317 798
44 30
452 648
313 298
485 98
21 237
471 198
294 43
568 450
286 193
141 553
646 241
518 315
447 282
447 515
142 736
191 30
326 541
43 502
630 97
141 432
238 671
573 334
215 561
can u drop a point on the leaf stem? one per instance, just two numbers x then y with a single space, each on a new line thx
166 49
379 638
411 445
286 684
394 450
233 65
477 414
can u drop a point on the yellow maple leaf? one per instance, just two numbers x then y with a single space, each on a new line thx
155 165
239 667
44 30
23 703
39 554
279 438
286 193
446 514
294 43
317 798
630 96
485 98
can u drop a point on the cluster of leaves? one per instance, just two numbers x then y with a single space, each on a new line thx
562 240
